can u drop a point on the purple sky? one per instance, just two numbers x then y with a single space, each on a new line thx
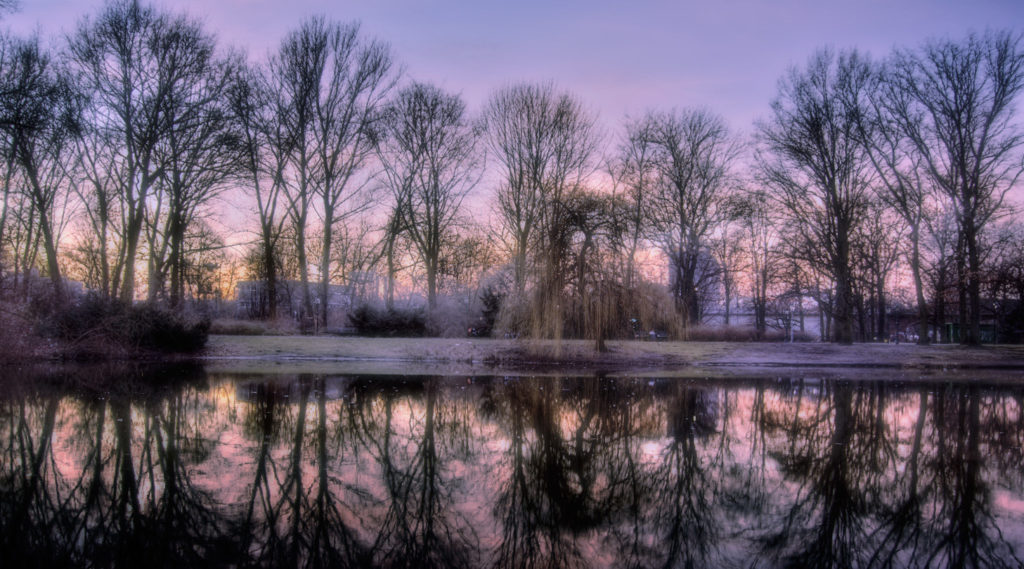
619 57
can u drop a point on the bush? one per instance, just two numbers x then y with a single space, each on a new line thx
372 321
157 329
452 317
98 326
490 301
16 340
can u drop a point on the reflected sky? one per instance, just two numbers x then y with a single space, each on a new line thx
122 468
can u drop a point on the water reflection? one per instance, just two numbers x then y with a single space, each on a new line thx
124 468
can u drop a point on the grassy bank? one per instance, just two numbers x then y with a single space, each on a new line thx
487 353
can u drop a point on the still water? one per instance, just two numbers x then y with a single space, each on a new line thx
186 468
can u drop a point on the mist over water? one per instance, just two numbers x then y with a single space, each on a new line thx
190 468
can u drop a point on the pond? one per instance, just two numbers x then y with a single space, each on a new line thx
184 467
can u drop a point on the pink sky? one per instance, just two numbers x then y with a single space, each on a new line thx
620 58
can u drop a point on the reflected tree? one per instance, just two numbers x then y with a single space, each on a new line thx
899 536
682 514
305 520
421 527
963 531
262 423
30 509
520 472
823 525
534 501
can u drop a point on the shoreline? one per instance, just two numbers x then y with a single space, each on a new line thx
500 357
624 356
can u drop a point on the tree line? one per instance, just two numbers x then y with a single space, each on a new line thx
871 184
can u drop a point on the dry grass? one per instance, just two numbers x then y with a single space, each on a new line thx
243 327
335 347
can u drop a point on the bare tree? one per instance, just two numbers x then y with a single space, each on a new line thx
594 265
1004 282
327 85
959 117
728 245
391 247
695 154
201 153
357 78
430 163
760 231
22 234
6 217
294 76
38 122
901 176
96 188
939 250
128 59
264 148
817 167
468 255
544 141
636 170
355 251
876 251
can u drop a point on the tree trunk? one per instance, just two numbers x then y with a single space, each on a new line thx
432 283
760 319
800 309
961 276
24 261
915 269
270 266
49 245
177 237
390 300
728 299
520 267
883 329
973 288
325 264
104 215
133 231
842 314
307 297
131 249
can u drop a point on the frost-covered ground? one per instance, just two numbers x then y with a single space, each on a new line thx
686 358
